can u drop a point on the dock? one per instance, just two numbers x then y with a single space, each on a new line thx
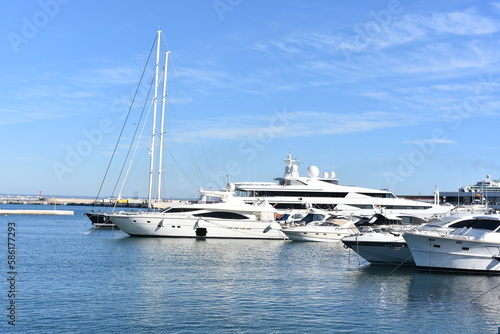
56 201
36 212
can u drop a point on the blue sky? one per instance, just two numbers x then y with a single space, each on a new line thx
389 94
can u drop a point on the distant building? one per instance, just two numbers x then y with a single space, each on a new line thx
486 191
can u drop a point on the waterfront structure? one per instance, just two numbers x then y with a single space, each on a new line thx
486 191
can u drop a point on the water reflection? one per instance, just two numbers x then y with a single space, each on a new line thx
245 285
471 300
236 284
467 302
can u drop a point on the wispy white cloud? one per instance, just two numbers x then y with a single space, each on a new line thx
28 113
437 102
420 47
429 141
49 94
204 77
496 6
205 81
443 57
397 31
420 53
466 22
298 124
102 76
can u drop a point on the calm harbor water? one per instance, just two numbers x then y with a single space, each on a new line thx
68 281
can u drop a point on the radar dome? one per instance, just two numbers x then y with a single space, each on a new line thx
313 172
332 174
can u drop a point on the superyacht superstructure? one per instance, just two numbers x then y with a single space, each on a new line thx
295 192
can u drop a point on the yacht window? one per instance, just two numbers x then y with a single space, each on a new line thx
481 223
284 217
332 181
243 193
270 193
312 217
487 224
176 210
379 195
393 207
362 206
327 207
407 207
221 215
288 206
463 223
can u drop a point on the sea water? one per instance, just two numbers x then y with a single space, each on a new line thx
66 280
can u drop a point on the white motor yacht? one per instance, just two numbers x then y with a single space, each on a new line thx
319 225
294 192
472 246
228 217
381 239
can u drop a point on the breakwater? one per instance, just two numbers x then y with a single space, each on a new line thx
36 212
55 201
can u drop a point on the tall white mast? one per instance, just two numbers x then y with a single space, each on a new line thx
163 103
153 135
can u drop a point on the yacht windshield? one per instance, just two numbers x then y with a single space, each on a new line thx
177 210
313 217
480 223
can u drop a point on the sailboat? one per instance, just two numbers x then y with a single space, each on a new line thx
217 214
100 219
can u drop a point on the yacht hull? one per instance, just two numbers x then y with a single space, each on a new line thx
380 248
431 252
159 225
318 234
